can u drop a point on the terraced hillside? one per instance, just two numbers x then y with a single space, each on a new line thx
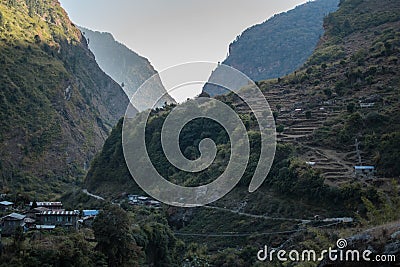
350 83
348 90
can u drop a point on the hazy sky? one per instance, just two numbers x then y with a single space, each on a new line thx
170 32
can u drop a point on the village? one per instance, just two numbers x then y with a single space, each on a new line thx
45 216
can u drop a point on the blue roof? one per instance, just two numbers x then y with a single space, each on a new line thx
90 213
6 203
364 167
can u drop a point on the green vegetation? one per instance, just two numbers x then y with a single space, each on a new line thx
56 105
122 238
354 77
353 74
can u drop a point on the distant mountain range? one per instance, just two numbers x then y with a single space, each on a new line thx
279 45
124 65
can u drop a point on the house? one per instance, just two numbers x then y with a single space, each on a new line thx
6 205
365 172
153 203
11 222
133 199
33 212
48 205
58 218
30 223
343 220
45 227
141 200
88 217
367 105
90 213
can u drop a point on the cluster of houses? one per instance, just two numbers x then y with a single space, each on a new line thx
49 215
43 216
143 201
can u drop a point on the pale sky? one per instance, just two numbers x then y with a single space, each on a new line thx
171 32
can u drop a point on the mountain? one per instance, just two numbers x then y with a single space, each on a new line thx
279 45
56 105
339 110
123 65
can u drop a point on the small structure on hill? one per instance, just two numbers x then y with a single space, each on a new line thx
6 205
365 172
47 205
367 105
59 218
11 222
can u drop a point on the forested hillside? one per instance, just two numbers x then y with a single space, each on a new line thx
281 44
348 90
56 105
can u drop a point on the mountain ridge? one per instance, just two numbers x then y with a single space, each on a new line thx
124 65
57 105
278 46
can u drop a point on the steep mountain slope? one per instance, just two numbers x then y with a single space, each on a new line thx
349 88
279 45
56 105
123 65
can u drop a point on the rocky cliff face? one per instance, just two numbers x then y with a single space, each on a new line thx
56 105
124 65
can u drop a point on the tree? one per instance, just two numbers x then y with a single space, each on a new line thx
351 107
159 244
18 238
1 19
308 114
34 205
114 238
37 39
280 128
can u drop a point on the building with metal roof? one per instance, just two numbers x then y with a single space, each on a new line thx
6 205
58 218
11 222
365 172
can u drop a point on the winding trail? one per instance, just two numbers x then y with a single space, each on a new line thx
85 191
259 216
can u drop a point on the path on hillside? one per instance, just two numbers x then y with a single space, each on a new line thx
85 191
258 216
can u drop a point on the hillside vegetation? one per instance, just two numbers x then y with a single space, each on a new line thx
348 89
56 105
281 44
